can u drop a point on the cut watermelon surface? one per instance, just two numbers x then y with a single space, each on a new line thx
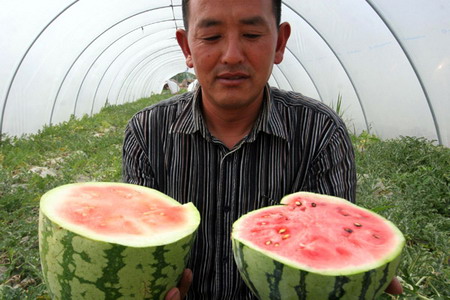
325 247
120 213
113 241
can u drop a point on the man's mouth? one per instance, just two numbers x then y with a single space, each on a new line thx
233 78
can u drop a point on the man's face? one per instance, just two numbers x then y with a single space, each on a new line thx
232 45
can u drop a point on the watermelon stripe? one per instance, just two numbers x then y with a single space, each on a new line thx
78 257
274 279
52 257
338 290
383 280
159 266
110 277
301 288
366 284
239 250
68 267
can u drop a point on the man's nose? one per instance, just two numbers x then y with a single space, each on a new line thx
234 51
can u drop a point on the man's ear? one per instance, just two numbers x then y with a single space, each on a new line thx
182 40
284 31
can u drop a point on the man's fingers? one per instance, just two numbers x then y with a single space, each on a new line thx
185 282
179 292
173 294
395 287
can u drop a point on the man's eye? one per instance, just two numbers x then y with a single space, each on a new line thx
252 36
212 38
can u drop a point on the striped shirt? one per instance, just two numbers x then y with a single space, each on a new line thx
296 144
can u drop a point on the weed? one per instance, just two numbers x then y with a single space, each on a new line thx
406 179
409 179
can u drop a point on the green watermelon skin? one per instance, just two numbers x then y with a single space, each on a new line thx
76 267
272 280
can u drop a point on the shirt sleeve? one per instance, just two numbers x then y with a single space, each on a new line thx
136 168
333 171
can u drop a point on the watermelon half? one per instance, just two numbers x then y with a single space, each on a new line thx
316 247
113 241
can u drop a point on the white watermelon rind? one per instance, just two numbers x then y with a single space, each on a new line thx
389 257
193 221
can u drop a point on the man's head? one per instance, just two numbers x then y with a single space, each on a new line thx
276 6
232 45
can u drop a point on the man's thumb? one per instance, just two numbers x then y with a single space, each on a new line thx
173 294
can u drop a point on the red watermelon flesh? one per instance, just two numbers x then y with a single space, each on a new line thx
120 213
320 233
119 210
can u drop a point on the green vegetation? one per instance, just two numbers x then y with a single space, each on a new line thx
337 106
406 179
184 76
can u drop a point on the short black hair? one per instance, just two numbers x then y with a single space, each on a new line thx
276 4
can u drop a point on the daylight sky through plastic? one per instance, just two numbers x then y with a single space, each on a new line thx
388 60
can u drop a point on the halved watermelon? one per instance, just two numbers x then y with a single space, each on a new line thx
113 241
316 247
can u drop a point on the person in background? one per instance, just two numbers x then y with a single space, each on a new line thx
234 144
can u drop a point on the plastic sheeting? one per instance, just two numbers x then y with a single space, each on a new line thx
173 86
388 60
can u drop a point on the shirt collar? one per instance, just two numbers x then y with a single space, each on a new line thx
190 119
269 121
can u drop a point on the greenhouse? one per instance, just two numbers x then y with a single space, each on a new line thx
388 61
73 72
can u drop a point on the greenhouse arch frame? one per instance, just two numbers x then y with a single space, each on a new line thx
389 61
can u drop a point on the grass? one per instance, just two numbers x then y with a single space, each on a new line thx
406 179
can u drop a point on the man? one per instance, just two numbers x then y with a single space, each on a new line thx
234 144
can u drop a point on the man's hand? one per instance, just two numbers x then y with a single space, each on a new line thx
394 288
179 292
